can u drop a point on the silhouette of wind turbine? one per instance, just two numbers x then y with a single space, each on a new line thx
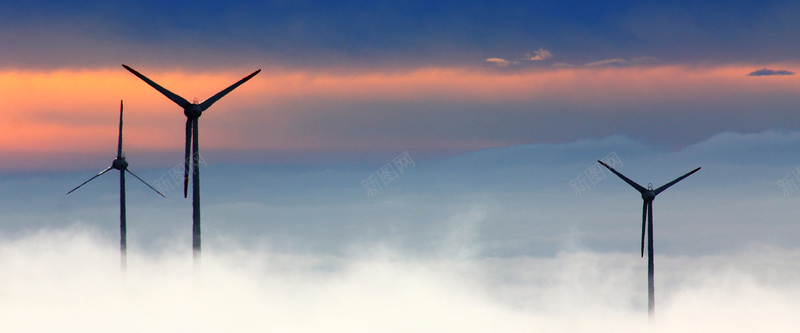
193 111
120 164
648 195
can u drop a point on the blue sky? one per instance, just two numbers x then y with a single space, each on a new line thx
392 34
502 106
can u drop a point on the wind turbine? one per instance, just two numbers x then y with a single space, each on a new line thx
193 111
648 195
120 164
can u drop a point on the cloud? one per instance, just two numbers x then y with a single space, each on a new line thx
617 62
471 205
72 278
540 54
463 109
769 72
501 62
496 235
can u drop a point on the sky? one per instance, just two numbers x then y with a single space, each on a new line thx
402 166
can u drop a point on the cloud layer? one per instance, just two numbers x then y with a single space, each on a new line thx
769 72
536 199
72 279
494 240
283 113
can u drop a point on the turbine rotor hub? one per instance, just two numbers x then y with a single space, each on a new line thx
193 111
120 164
648 195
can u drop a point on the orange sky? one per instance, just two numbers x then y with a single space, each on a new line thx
76 111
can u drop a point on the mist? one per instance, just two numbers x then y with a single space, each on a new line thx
497 240
69 280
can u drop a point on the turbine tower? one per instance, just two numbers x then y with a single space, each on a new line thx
648 195
120 164
193 111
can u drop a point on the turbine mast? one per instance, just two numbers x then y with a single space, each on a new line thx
123 225
651 283
195 197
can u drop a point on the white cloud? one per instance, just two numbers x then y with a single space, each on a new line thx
500 62
619 62
540 54
72 279
494 240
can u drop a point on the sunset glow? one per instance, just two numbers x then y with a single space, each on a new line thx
76 110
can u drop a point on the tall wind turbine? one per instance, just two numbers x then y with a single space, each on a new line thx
193 111
120 164
648 195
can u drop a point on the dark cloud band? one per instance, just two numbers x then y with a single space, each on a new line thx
769 72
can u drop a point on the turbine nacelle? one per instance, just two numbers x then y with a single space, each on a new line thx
193 111
120 164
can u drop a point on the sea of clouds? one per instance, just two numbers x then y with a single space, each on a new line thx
69 280
492 241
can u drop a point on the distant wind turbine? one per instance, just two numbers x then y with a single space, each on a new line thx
648 195
120 164
193 111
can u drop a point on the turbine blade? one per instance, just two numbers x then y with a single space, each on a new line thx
119 146
667 185
186 156
90 179
644 220
638 187
172 96
142 180
207 103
